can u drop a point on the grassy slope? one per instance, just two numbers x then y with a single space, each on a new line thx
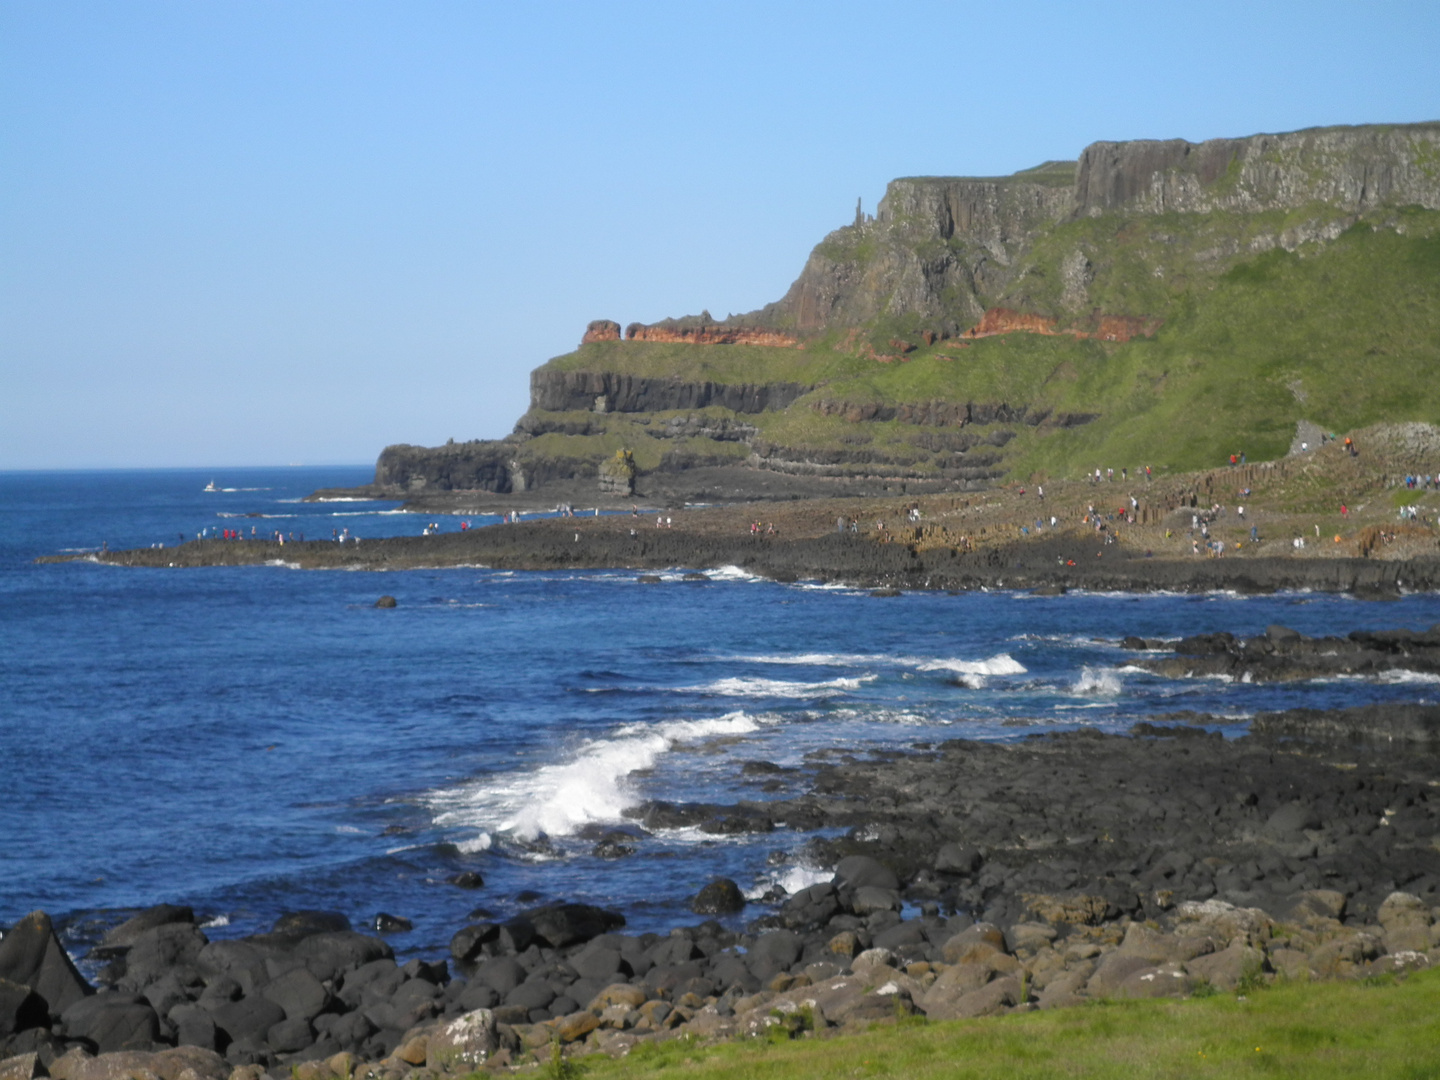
1314 1030
1344 333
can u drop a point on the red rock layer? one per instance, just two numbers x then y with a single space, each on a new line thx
711 335
601 330
1107 327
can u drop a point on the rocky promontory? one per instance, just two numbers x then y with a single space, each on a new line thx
998 309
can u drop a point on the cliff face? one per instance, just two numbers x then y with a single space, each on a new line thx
972 319
943 250
1352 168
607 391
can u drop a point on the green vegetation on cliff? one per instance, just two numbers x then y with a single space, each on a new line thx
1344 332
1155 303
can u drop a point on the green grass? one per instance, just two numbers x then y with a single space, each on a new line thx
1345 333
1311 1030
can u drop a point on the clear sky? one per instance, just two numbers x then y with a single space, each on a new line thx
261 232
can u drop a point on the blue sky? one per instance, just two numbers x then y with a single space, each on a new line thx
268 232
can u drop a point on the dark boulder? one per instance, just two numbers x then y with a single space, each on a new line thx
247 1020
20 1008
477 995
327 954
855 871
112 1022
559 925
502 975
159 950
957 859
721 897
535 994
306 923
160 915
31 955
351 1030
776 950
598 963
386 602
392 924
289 1036
299 993
194 1026
1291 819
467 879
466 943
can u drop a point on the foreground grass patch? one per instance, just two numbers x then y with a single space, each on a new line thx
1315 1030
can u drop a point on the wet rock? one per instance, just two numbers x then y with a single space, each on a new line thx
466 943
392 924
721 897
387 602
467 879
305 923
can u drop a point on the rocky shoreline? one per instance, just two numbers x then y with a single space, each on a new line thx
901 558
971 879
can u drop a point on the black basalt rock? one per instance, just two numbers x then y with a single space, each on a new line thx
31 955
721 897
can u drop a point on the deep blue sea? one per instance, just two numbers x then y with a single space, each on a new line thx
256 740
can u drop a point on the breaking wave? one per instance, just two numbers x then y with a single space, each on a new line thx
590 785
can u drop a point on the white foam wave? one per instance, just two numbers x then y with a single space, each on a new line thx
215 920
1409 677
817 659
792 881
591 785
744 686
732 573
1097 682
999 664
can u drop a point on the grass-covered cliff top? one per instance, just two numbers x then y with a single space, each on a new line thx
1343 331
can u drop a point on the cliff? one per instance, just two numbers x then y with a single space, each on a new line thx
1155 301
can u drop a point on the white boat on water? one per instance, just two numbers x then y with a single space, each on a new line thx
211 486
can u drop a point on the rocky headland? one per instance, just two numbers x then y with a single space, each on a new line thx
971 879
972 331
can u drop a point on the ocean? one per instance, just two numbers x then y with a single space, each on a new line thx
256 740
